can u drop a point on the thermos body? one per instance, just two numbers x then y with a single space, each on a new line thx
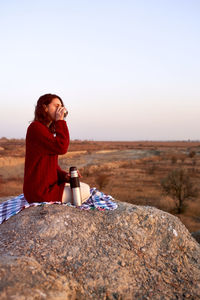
75 186
76 196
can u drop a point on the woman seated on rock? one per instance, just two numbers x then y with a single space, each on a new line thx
47 137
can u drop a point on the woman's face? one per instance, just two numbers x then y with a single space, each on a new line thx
52 107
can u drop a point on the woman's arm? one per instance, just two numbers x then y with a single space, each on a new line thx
65 176
42 140
62 175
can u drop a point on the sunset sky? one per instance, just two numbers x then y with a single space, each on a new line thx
126 70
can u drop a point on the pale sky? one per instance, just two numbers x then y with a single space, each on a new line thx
126 70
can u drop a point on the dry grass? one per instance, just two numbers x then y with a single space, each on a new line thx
11 187
138 182
133 181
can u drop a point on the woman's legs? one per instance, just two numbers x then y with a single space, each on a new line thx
67 193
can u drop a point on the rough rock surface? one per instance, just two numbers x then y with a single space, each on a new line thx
59 252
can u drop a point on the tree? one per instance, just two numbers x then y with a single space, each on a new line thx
178 185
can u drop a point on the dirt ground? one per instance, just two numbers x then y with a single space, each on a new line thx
112 167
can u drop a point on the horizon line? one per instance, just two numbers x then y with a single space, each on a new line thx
125 141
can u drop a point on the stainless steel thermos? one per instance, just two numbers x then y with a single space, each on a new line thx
75 186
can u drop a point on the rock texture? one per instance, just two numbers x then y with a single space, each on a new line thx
59 252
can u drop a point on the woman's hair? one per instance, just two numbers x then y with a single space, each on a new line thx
40 114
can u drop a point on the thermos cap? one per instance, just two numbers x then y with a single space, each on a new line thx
73 172
73 169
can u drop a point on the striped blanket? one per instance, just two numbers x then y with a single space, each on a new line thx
97 200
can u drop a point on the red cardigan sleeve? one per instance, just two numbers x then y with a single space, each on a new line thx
45 142
61 174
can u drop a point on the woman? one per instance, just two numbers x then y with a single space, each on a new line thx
47 137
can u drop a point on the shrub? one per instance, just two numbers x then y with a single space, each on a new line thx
127 165
192 154
151 169
182 159
173 160
194 162
178 185
85 172
102 180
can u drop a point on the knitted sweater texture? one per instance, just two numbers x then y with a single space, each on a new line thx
43 178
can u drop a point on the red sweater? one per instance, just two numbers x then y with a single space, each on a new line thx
43 178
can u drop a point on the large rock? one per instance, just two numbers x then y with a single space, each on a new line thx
60 252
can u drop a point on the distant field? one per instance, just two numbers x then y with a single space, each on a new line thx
129 171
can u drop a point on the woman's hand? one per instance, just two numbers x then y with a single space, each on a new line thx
79 174
60 112
67 177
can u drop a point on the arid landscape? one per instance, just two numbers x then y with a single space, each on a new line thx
142 173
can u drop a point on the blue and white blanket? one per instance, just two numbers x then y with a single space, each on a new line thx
97 200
